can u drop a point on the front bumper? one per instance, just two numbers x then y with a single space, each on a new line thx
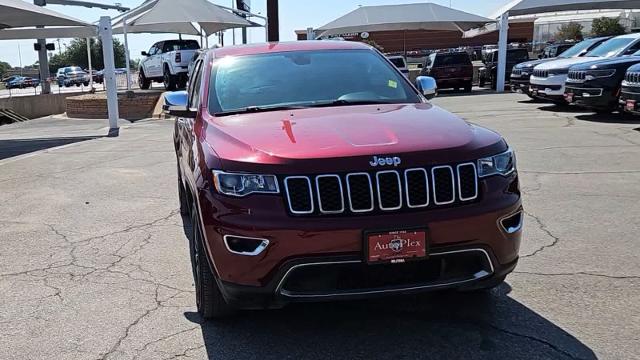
520 85
591 96
551 87
294 242
630 99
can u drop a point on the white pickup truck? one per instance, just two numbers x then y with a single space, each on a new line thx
167 62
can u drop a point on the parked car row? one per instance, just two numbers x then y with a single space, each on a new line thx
20 82
600 74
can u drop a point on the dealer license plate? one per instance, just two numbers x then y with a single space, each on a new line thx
396 246
631 105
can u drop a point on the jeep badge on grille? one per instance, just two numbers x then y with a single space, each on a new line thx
385 161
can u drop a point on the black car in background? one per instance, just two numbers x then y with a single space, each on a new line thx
597 85
450 69
553 51
630 91
521 73
489 73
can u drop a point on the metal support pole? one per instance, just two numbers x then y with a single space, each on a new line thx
502 52
90 64
106 34
127 55
273 21
43 58
311 35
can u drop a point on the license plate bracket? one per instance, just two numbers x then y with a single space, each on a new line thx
395 246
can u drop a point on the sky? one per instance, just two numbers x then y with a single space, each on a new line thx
294 15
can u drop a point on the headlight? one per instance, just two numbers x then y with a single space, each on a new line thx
501 164
244 184
593 74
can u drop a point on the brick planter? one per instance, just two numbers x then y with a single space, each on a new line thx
94 106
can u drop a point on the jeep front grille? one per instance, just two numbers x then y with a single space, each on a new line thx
577 76
632 78
383 191
516 72
541 73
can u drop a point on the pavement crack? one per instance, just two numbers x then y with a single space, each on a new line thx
542 226
583 273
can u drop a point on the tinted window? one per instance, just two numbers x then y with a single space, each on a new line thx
176 45
517 55
305 78
611 47
453 59
398 62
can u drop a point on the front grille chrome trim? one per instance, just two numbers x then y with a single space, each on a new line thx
475 277
286 185
406 185
320 197
453 185
373 206
397 174
475 184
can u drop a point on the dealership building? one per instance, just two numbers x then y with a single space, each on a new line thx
536 29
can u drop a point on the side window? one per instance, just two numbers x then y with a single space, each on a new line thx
158 47
195 85
634 48
431 60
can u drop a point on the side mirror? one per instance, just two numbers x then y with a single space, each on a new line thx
144 53
175 103
427 86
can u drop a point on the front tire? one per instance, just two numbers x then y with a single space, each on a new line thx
209 299
182 195
468 87
170 81
143 82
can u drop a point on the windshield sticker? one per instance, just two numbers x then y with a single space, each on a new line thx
393 84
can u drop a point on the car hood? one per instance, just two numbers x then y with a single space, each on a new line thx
425 132
566 63
614 63
533 63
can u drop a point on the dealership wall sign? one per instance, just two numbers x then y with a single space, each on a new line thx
364 35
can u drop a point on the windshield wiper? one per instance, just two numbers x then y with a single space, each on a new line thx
349 103
257 109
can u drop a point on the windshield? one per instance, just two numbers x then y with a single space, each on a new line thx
610 47
72 69
516 55
578 48
305 79
177 45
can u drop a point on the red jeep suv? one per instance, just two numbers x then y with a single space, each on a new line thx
316 171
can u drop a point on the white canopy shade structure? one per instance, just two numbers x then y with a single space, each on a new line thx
530 7
18 13
424 16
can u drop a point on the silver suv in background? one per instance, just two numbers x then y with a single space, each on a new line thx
72 75
167 62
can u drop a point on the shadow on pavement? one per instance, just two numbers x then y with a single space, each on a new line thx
614 118
17 147
457 93
445 325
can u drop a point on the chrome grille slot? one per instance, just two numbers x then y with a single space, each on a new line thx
577 75
416 183
467 182
299 194
443 185
632 77
330 194
389 190
360 192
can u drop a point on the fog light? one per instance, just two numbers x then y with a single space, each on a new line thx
247 246
512 223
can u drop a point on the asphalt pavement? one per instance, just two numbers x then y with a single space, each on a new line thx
94 261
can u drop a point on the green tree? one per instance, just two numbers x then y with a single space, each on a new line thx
605 26
570 31
76 55
4 67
